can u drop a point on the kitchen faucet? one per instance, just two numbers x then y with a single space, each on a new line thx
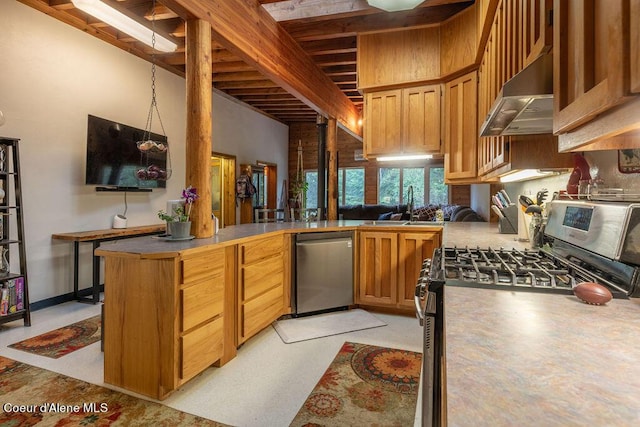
410 203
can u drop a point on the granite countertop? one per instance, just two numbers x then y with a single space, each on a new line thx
470 234
531 359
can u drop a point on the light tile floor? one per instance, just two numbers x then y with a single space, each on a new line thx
265 385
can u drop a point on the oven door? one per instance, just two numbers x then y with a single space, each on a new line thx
429 312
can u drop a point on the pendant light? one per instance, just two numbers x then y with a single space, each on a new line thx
151 150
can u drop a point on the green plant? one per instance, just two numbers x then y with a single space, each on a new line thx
181 214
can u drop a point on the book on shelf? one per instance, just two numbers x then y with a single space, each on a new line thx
12 296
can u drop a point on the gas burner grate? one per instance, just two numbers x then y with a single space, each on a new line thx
503 268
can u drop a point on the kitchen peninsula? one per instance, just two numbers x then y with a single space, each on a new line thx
173 308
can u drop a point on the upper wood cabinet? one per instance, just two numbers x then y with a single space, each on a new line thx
536 34
591 59
398 57
461 127
402 121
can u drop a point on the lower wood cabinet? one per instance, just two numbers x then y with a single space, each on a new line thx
165 319
262 275
390 264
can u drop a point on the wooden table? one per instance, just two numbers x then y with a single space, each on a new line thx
96 237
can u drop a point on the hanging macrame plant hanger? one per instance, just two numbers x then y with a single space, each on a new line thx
147 146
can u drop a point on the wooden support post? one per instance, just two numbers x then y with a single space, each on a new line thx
198 145
332 149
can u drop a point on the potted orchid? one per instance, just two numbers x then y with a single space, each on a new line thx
178 221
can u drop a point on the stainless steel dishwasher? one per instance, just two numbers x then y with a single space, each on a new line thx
323 271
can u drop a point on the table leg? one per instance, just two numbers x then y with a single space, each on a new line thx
76 249
96 274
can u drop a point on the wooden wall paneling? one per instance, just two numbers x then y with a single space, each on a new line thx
332 175
458 41
398 57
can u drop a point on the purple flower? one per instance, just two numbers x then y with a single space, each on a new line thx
189 195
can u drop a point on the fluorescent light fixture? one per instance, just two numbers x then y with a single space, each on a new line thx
525 174
124 23
394 5
404 158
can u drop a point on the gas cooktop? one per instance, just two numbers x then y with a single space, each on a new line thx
513 269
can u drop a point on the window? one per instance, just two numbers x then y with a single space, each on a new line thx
350 186
427 181
312 189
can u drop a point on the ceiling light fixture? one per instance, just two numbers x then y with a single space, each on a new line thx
124 23
394 5
405 158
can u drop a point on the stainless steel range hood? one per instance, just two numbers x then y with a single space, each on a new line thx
524 106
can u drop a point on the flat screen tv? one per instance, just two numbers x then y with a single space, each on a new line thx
115 160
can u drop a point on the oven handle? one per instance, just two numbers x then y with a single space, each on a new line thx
421 290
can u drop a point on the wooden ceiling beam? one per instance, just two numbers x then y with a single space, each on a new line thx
275 91
245 85
237 76
328 46
336 59
248 30
231 67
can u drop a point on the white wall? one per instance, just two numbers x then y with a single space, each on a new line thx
51 77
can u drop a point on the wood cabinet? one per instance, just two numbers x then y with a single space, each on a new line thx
402 121
398 57
262 275
591 41
378 268
518 152
164 318
597 75
461 128
389 266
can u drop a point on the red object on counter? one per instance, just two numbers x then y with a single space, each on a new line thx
580 173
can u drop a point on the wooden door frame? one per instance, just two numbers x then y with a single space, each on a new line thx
228 196
271 171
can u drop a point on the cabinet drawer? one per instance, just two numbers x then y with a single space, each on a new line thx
201 348
202 301
261 276
254 251
203 266
261 311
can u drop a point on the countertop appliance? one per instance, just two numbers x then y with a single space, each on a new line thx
429 302
323 272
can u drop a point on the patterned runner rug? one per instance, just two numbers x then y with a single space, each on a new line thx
63 340
49 399
365 385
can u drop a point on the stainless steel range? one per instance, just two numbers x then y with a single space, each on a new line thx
588 242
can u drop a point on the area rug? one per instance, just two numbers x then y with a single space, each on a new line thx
63 340
324 325
365 385
35 396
